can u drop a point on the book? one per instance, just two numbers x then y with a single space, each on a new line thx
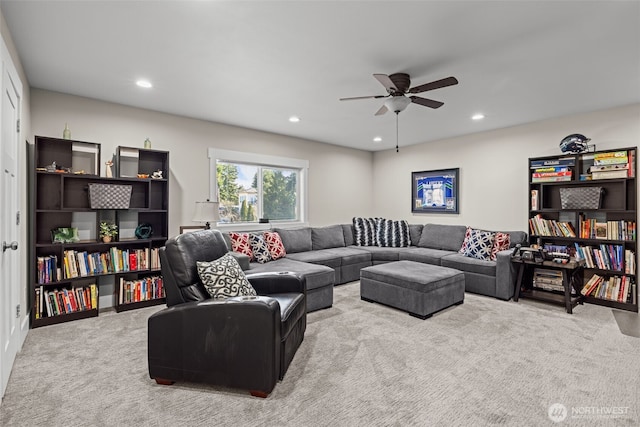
567 161
534 200
611 174
600 230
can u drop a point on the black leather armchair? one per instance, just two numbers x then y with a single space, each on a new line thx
240 342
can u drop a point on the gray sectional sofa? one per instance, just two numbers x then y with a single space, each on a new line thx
328 256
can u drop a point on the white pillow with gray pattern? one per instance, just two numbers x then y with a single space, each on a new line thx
223 278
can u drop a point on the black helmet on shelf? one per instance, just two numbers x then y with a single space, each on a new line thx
574 143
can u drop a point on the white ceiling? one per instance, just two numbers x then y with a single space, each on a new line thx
255 63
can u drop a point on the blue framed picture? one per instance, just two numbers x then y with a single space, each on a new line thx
435 191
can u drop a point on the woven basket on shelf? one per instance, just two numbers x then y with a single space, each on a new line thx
109 196
581 197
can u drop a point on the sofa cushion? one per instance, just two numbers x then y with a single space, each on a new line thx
316 276
478 244
295 239
327 237
364 230
394 234
415 232
377 253
424 255
439 236
501 242
259 247
516 237
275 245
349 239
240 243
329 257
223 278
468 264
354 255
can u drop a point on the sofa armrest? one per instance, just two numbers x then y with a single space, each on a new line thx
190 342
277 282
243 260
505 275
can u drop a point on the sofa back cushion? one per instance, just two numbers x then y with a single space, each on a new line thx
444 237
349 239
516 237
415 232
295 239
327 237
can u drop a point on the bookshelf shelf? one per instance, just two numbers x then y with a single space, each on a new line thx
607 232
61 199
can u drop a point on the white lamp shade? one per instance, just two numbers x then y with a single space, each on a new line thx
206 212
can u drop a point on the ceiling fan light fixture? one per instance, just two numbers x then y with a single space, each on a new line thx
397 103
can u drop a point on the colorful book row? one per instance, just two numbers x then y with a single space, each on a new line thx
608 257
64 301
82 264
610 230
615 288
48 271
144 289
550 227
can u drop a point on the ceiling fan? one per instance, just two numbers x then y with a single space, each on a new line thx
397 86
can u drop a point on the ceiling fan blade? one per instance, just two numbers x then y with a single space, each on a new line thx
363 97
382 110
449 81
386 82
426 102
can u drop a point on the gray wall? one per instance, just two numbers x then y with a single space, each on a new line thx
493 167
336 174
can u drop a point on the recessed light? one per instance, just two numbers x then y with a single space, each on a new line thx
477 116
377 139
294 119
144 83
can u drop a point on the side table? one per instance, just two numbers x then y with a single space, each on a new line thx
571 272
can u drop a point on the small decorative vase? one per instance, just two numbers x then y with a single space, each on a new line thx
66 133
147 144
106 239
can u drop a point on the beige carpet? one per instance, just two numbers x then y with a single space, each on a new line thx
486 362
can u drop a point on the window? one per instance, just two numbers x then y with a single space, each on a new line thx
252 186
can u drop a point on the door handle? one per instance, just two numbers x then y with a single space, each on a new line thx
13 246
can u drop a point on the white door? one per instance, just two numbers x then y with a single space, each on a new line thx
9 219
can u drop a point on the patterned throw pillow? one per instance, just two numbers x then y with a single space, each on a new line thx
394 234
365 231
240 243
501 242
463 248
260 249
479 244
274 244
223 278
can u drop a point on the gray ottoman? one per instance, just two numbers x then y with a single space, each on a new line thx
421 289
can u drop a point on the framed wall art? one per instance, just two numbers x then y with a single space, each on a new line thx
435 191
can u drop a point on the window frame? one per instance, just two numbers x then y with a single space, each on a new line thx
262 160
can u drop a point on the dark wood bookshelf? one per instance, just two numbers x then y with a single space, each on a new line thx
618 203
60 198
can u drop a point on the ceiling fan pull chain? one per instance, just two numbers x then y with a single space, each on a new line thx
397 151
